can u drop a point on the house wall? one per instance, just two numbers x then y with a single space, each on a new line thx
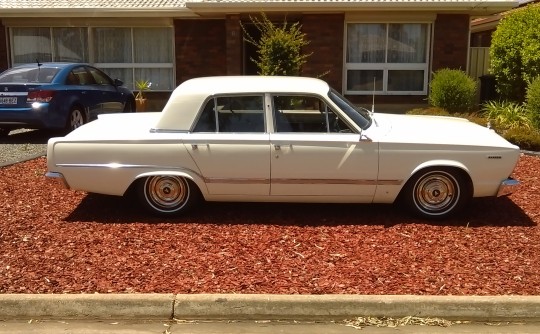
450 41
3 49
214 47
201 48
325 46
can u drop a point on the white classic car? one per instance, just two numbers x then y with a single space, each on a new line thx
282 139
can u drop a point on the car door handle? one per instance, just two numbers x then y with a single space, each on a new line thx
277 147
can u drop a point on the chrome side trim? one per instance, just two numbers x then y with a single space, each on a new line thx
507 187
304 181
236 181
117 165
246 180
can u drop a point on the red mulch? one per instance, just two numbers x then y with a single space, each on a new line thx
61 241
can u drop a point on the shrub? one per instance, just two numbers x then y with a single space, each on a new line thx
279 48
515 52
526 139
433 111
452 90
507 114
533 102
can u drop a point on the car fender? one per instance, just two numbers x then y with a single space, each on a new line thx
439 163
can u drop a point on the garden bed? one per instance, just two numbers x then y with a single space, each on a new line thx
61 241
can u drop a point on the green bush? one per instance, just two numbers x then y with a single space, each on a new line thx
533 102
525 138
515 52
452 90
507 115
279 48
433 111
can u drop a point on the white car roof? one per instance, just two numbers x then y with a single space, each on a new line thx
186 100
247 84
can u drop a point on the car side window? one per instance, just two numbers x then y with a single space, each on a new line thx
83 76
305 114
99 77
233 114
72 79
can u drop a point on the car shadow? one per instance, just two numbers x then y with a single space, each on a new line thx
481 212
28 137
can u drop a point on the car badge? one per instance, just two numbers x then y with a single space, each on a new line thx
5 89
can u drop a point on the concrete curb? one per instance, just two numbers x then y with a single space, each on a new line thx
266 307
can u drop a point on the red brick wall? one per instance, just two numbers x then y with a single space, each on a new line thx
4 51
325 36
234 35
450 41
200 48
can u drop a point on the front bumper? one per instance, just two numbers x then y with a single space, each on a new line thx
507 187
57 180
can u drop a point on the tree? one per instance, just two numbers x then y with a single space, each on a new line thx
279 48
515 52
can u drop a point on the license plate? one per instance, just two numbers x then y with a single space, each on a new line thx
8 100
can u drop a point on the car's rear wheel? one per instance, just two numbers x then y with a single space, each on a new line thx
167 195
75 119
437 193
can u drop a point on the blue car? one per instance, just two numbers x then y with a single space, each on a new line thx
58 96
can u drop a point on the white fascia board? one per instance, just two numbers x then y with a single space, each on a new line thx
463 7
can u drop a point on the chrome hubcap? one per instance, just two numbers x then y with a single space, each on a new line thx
436 192
167 192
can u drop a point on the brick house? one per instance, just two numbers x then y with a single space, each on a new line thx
387 47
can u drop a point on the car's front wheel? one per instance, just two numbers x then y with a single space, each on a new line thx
75 119
167 195
437 193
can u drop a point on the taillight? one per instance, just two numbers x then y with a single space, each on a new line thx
40 96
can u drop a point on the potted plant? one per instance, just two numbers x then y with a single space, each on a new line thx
140 100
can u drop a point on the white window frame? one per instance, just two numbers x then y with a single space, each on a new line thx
386 67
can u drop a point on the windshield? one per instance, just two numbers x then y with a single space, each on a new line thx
29 74
359 115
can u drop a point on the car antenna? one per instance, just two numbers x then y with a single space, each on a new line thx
373 104
373 98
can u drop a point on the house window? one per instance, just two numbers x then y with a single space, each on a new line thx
129 54
387 58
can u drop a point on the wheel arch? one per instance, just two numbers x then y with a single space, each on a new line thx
193 177
442 164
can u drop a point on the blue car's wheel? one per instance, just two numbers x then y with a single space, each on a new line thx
75 119
167 195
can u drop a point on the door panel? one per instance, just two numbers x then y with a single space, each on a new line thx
232 164
323 164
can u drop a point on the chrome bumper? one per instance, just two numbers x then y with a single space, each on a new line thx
507 187
57 179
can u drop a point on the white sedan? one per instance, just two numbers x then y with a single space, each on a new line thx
282 139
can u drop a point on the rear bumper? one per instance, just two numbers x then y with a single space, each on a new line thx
507 187
57 180
37 117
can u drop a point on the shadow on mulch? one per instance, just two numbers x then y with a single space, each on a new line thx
481 212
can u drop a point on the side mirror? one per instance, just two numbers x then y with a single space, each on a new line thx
118 82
